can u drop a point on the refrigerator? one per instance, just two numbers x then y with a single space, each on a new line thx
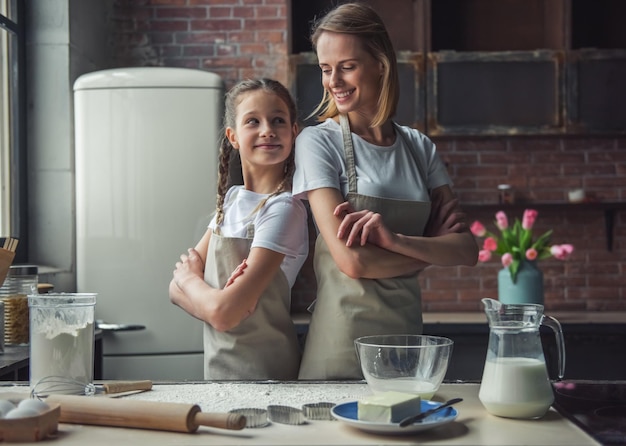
146 152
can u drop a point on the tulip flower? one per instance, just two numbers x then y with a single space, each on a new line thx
561 252
490 244
528 220
507 259
484 255
531 254
478 229
502 222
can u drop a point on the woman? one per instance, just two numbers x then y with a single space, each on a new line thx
371 185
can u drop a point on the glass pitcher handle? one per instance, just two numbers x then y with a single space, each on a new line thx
560 342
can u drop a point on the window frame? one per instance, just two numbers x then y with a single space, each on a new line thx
14 24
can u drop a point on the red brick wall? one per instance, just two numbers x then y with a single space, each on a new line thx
249 38
542 169
236 39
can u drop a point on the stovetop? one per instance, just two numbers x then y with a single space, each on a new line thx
597 407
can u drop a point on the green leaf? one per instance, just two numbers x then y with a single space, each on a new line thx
514 268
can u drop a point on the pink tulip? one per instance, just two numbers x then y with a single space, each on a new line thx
528 220
478 229
531 254
490 244
507 259
484 255
561 252
502 222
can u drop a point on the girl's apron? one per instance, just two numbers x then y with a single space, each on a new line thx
264 345
347 308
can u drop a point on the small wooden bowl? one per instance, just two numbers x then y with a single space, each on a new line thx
33 428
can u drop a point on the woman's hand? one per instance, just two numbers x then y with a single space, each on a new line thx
362 226
445 218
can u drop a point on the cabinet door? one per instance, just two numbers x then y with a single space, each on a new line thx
596 90
495 92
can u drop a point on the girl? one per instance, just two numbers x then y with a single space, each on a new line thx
371 184
239 276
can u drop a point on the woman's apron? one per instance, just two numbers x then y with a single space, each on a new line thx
264 345
347 308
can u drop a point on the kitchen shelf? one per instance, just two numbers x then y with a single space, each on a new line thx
493 67
608 207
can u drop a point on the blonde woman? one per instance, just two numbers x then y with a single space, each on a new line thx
379 193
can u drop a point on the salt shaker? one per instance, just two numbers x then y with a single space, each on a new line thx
506 194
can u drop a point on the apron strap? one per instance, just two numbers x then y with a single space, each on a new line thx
349 152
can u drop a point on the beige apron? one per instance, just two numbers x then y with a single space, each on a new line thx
347 308
262 347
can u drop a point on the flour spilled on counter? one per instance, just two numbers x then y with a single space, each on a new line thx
222 397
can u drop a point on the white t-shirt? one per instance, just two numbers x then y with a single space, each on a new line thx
280 225
385 172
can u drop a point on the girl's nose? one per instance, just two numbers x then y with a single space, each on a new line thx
267 129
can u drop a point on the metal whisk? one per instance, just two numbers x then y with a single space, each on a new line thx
53 384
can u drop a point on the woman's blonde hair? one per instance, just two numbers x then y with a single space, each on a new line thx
227 153
361 20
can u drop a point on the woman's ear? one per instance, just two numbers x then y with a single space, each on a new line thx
232 137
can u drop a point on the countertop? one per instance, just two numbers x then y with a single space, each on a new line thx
474 426
467 317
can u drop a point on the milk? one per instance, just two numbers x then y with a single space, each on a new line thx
516 387
425 390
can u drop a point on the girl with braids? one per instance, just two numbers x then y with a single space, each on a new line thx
239 276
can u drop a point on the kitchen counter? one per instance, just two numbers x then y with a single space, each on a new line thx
474 426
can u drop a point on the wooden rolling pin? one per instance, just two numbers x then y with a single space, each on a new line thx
175 417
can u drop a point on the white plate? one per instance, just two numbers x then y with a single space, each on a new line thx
348 413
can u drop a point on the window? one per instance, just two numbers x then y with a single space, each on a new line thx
12 125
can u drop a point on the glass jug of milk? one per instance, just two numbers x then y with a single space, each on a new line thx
515 382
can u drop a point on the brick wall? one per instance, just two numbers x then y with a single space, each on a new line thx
249 38
236 39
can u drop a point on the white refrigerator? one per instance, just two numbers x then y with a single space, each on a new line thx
146 151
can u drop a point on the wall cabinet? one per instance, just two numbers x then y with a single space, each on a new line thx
495 66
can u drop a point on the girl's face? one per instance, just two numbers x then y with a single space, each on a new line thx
349 73
263 132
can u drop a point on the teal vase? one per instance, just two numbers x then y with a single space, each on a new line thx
528 286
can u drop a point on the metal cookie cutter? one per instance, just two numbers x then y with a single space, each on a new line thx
318 411
285 415
254 417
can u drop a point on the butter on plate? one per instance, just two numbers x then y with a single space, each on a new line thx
388 407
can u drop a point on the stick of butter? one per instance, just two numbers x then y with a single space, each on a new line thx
388 407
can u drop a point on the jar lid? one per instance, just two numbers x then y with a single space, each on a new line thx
23 270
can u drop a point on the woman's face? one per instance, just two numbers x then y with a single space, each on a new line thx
349 73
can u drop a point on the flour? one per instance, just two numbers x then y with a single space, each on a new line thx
224 396
61 350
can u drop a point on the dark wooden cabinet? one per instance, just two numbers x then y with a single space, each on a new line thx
495 66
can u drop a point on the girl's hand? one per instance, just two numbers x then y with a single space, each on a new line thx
445 219
238 272
364 226
189 267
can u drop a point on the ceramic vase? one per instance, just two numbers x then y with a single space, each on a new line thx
528 286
